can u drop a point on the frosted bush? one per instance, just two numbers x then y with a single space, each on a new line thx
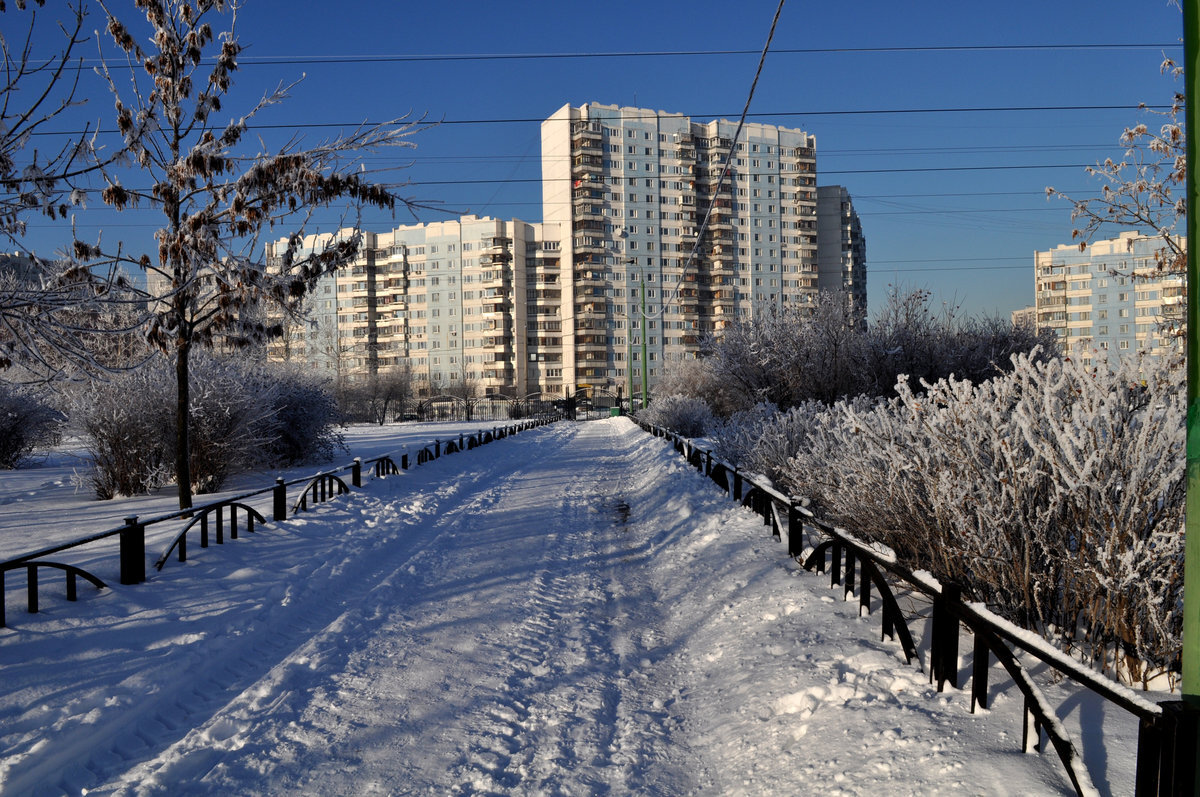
241 416
762 439
826 353
735 438
685 415
127 425
305 418
1054 494
27 422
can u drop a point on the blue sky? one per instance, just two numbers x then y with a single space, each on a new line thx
950 201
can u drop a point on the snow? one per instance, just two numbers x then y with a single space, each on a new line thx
571 610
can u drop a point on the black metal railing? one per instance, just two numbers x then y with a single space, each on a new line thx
1167 738
210 522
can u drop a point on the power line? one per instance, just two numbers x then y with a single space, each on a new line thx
653 115
383 58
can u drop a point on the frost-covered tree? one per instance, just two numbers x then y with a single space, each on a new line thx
794 356
53 315
218 195
1144 188
1054 493
58 322
685 415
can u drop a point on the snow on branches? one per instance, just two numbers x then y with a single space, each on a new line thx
209 280
1054 494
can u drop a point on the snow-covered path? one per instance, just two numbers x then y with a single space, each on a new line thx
569 611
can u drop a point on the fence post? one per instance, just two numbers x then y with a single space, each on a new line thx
437 448
708 462
737 484
133 552
1171 738
280 500
979 674
32 589
356 472
944 644
404 460
795 529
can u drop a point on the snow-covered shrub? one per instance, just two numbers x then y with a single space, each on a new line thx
1055 494
305 419
825 353
127 424
241 416
683 415
694 376
763 440
231 415
26 423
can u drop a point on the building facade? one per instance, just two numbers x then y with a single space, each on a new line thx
1109 300
448 301
644 250
841 248
631 190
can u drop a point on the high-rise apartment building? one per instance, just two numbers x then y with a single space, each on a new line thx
450 301
641 201
644 249
841 248
1109 300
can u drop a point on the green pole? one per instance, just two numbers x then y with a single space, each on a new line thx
1191 567
645 362
629 355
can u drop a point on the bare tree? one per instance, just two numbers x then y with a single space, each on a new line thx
373 397
1144 189
207 275
53 314
38 90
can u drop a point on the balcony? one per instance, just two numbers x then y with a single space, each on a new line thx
589 212
589 279
591 181
586 163
591 308
589 245
587 141
494 309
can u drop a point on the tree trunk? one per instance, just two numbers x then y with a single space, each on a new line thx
183 466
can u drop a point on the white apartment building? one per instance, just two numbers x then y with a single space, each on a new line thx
841 248
556 307
448 300
631 188
1109 300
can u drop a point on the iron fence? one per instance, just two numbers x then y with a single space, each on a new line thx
212 523
1167 735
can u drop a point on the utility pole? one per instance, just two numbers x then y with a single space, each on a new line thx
645 362
1191 577
629 355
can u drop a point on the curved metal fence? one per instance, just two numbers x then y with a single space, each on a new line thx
1167 739
211 523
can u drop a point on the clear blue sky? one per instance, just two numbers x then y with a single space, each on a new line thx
966 231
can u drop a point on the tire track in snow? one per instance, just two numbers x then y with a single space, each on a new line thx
295 627
574 714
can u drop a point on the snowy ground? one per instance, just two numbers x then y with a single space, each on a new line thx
568 611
